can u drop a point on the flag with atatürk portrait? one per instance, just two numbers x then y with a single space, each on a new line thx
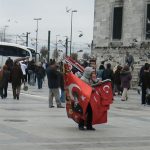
78 95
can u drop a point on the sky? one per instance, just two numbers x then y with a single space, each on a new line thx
19 16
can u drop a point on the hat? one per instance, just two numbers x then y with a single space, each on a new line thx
88 71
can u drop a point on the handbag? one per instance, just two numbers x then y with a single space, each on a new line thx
24 87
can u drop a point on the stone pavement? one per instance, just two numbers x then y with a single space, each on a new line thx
28 124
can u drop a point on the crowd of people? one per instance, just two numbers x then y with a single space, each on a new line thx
22 71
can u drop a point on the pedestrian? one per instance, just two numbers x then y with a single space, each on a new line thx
100 71
9 62
23 66
129 60
40 73
53 77
108 75
17 79
117 80
145 82
62 88
31 72
125 81
4 79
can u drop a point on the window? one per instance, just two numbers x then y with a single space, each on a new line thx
13 51
148 22
117 23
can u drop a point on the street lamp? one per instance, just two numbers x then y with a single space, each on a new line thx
37 20
72 11
56 41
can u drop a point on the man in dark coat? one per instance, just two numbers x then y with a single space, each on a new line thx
9 63
53 77
4 81
17 79
145 80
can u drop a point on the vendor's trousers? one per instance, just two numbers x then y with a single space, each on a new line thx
88 118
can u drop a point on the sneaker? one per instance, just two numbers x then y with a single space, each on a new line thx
17 97
51 106
123 100
60 106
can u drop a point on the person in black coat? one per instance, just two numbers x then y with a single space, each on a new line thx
145 80
40 73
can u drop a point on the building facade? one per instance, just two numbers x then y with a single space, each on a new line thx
121 24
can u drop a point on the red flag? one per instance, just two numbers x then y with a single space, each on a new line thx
74 64
78 95
100 100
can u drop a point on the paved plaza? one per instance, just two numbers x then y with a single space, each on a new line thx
28 124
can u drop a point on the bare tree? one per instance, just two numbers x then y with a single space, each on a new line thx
85 56
74 56
55 54
44 52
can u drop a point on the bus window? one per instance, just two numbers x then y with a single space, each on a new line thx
1 51
22 53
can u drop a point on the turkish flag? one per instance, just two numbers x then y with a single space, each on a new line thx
100 100
78 95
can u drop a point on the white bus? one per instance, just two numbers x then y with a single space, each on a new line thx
14 51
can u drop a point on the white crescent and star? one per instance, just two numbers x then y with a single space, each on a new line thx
106 88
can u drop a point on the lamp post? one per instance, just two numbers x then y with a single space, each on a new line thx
57 42
72 11
37 20
27 35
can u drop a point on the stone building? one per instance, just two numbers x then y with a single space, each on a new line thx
120 26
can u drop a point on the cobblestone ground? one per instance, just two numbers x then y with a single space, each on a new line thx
28 124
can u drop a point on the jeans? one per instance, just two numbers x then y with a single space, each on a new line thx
40 82
62 97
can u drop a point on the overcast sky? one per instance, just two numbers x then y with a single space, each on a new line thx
19 14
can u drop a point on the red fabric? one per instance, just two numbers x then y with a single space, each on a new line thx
77 92
74 63
100 100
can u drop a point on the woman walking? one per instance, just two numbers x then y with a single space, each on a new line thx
125 81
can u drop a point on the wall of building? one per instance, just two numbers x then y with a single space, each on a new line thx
133 23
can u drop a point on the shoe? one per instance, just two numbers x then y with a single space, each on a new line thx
81 128
60 106
51 106
17 97
91 128
123 100
14 97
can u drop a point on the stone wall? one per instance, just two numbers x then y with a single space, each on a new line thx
134 21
